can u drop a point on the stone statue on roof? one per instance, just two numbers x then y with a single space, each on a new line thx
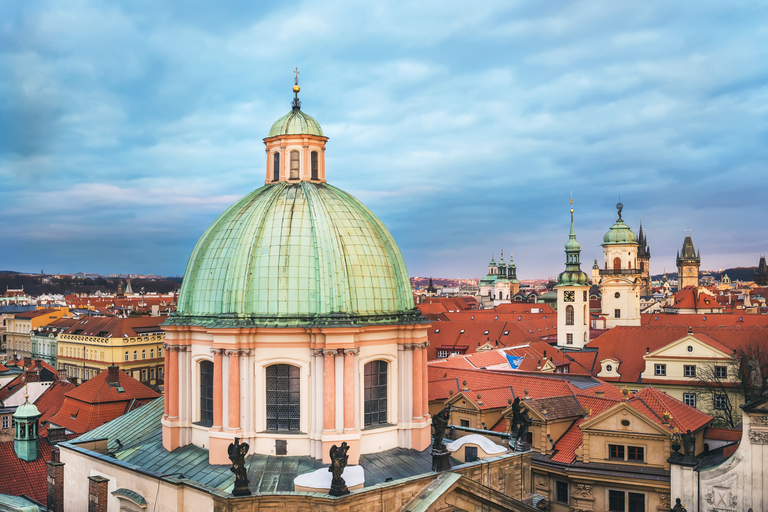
339 459
525 422
440 423
678 506
689 444
237 453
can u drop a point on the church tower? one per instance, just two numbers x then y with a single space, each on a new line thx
620 278
595 273
572 297
644 262
688 263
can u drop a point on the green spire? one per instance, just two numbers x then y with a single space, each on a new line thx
573 274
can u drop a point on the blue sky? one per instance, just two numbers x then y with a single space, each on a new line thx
127 127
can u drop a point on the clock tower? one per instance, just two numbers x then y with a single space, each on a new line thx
688 263
572 297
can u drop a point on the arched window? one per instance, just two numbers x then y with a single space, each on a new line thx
152 354
569 315
283 397
276 167
126 355
642 265
294 165
135 355
144 354
313 157
585 315
206 393
375 397
617 263
630 264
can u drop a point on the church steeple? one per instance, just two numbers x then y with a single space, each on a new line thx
572 297
26 437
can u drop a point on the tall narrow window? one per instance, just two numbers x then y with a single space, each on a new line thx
616 263
276 167
375 401
569 315
283 397
206 393
313 156
294 165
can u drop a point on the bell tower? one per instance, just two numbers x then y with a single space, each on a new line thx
572 297
620 279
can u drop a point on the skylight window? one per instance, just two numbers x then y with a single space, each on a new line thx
462 331
437 331
486 332
506 333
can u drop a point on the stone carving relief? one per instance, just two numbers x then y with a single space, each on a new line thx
760 420
721 500
664 500
758 436
582 491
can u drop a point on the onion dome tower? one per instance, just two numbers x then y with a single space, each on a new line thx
296 327
26 439
620 279
572 297
688 263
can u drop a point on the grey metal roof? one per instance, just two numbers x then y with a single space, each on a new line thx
141 444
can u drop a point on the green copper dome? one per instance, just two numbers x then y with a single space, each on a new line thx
295 254
26 411
619 234
295 122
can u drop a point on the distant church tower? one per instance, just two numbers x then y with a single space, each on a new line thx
761 273
688 263
572 297
644 261
620 280
595 273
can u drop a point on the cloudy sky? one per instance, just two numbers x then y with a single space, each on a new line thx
127 127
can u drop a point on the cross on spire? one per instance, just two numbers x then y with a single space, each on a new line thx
296 73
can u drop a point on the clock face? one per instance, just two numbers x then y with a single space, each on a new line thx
569 296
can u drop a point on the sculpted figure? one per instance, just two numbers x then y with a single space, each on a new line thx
689 444
439 423
237 453
339 459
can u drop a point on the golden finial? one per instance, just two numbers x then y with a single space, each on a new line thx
571 201
296 87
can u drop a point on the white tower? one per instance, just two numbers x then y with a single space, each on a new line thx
572 297
621 278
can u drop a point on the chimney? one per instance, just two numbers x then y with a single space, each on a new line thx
31 376
599 394
27 361
155 310
55 486
97 493
62 372
113 375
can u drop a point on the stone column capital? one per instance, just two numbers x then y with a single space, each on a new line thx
351 351
327 352
217 351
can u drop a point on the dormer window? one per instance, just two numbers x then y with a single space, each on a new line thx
294 165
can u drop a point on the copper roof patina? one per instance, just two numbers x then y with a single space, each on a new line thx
296 254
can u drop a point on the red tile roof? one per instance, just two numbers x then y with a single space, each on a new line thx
110 327
738 318
96 402
629 344
36 365
723 434
50 402
34 314
654 403
20 477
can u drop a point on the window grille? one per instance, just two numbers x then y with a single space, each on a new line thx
283 397
375 399
206 393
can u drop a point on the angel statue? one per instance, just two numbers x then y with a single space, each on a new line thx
339 459
237 453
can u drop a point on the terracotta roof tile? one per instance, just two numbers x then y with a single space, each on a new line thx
684 417
723 434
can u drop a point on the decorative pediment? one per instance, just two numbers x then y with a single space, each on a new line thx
689 346
462 400
624 419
